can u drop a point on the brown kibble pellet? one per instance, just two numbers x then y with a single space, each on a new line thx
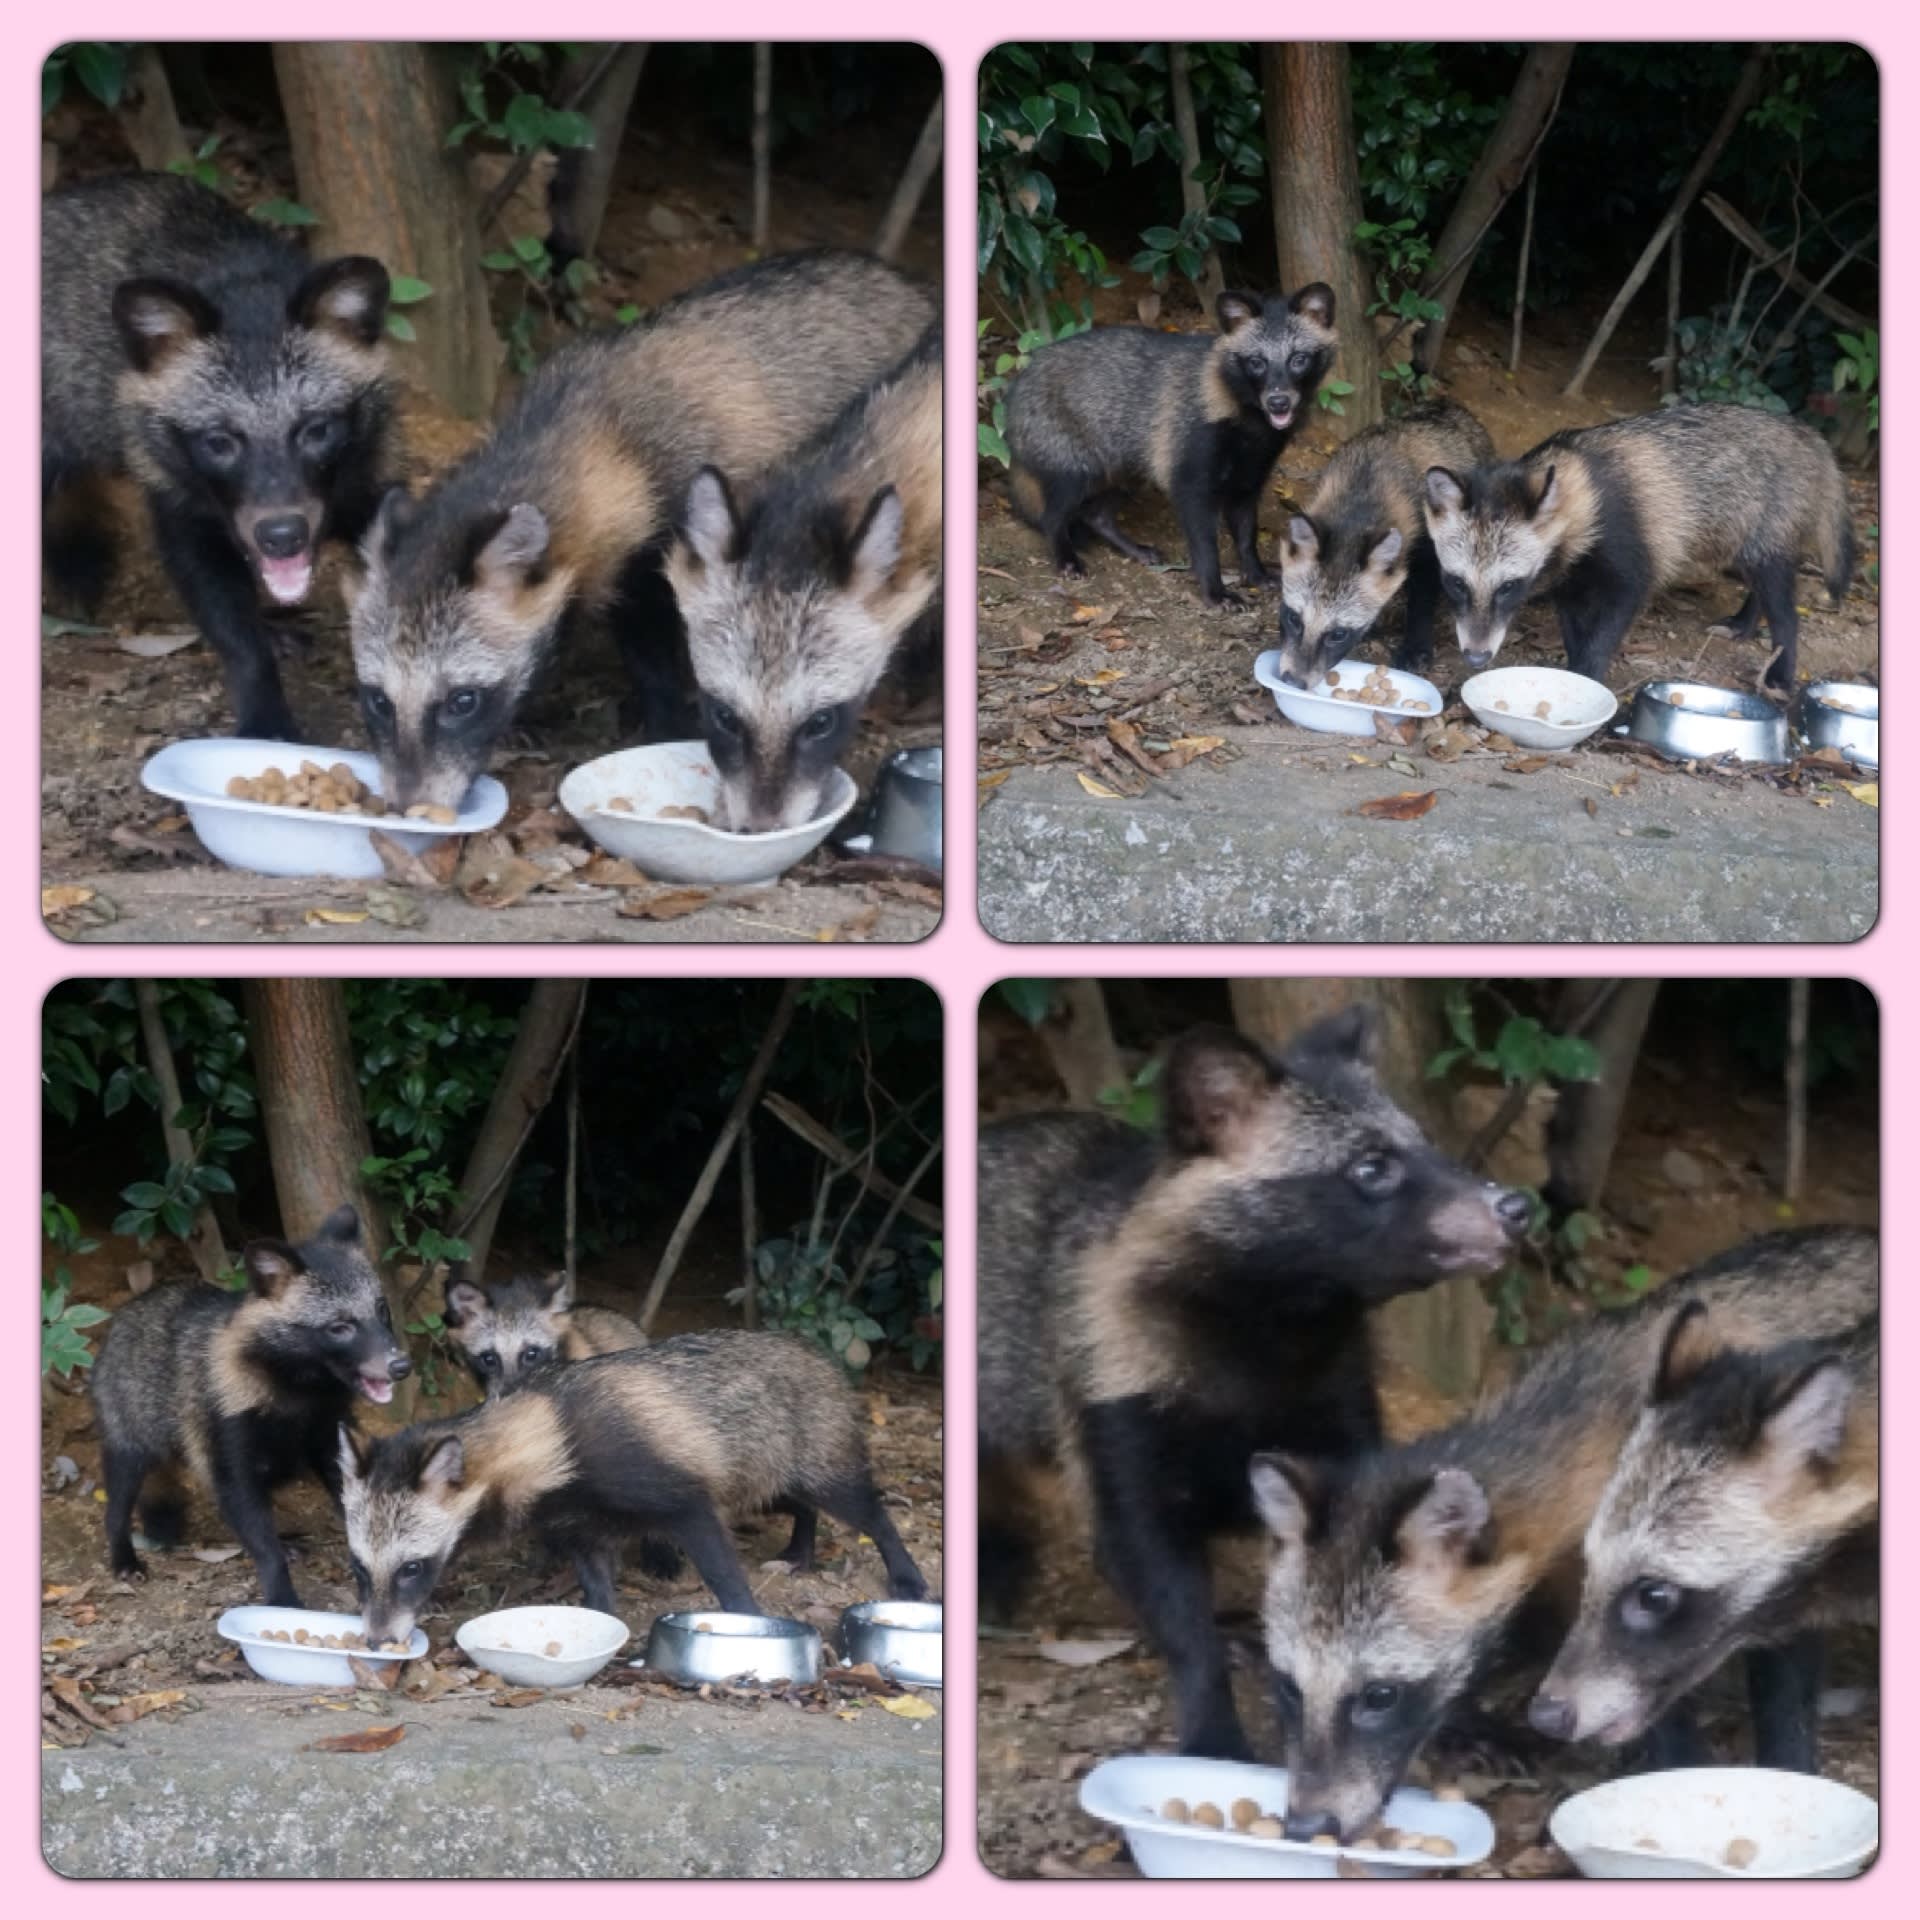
1243 1813
1267 1828
699 814
1740 1853
301 1636
552 1647
1500 706
1439 1846
1324 1840
1177 1810
1206 1814
620 804
1543 710
1676 699
1450 1792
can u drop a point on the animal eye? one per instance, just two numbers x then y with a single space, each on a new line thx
461 704
1257 365
220 447
728 722
533 1355
1649 1604
1455 587
1377 1699
316 436
1376 1174
375 704
342 1329
820 724
1300 363
412 1569
490 1360
1291 622
1507 592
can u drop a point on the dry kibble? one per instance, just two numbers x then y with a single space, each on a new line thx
1206 1814
686 813
1676 699
620 804
1243 1813
1541 711
1449 1792
1176 1810
1267 1828
1740 1853
301 1636
427 810
1439 1846
552 1647
1647 1844
1323 1840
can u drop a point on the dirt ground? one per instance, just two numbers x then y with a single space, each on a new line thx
679 213
109 1645
1694 1173
1098 672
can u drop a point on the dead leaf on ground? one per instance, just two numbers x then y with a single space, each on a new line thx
433 868
1868 795
1095 787
1402 733
1104 678
362 1739
377 1676
1400 806
1091 617
393 907
154 646
1190 747
215 1556
492 875
137 1706
1081 1653
335 916
665 903
165 846
1592 806
909 1706
1529 763
855 927
603 870
520 1697
56 900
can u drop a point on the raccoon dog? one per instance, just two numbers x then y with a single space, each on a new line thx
1397 1585
1201 417
248 1390
559 521
1365 533
664 1441
795 600
1602 518
1155 1308
244 388
1743 1511
510 1329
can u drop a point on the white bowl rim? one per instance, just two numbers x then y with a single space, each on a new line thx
1270 680
846 788
1153 1822
416 1640
1480 705
1703 1778
486 798
865 1613
585 1616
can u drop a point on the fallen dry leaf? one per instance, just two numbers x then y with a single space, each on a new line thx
1592 806
155 646
1190 747
665 903
909 1706
1530 763
362 1740
1400 806
335 917
1401 733
1081 1653
433 868
492 875
215 1556
519 1697
1091 616
1868 795
603 870
1095 788
137 1706
55 900
395 907
1104 678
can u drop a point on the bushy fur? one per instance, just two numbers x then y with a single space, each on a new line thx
1396 1585
1602 518
796 591
663 1441
246 1390
1156 1309
559 519
1364 535
244 388
1201 417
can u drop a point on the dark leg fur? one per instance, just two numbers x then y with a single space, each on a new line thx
1675 1740
123 1472
1006 1566
212 577
660 1559
246 1505
1200 523
709 1546
594 1568
859 1505
1773 587
1061 502
798 1552
163 1518
1744 624
1783 1690
1594 618
1098 517
78 555
653 641
1243 522
1423 596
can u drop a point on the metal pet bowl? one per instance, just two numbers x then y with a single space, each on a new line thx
1687 721
1845 716
907 806
900 1637
695 1648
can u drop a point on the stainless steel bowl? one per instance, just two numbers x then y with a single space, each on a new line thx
907 806
1686 721
900 1637
1843 715
694 1648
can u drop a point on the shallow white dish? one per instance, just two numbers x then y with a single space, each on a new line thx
1576 706
513 1643
1419 699
291 842
680 773
1129 1792
297 1666
1802 1827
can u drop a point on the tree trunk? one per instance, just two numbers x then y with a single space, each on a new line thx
1799 1010
1504 163
148 116
1078 1038
585 179
204 1241
310 1105
762 143
1193 196
1441 1333
549 1023
912 188
1315 181
368 121
1738 102
1586 1117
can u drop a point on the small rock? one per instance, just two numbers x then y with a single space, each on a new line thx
665 222
1680 1169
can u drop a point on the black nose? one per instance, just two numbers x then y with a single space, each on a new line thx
284 537
1288 678
1477 660
399 1367
1308 1824
1551 1716
1515 1211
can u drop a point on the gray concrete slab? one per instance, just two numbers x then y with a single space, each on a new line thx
678 1788
1272 848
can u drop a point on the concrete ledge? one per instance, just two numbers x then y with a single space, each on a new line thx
1270 850
695 1788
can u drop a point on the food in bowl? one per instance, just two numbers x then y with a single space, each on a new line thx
334 789
346 1642
1376 690
1248 1816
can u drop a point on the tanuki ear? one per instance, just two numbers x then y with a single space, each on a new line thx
560 1292
508 549
1351 1035
1445 494
1685 1348
444 1470
342 1226
875 550
356 1451
1315 302
157 318
1386 551
1543 491
711 523
390 520
464 1299
1236 310
271 1266
1286 1497
346 296
1805 1427
1444 1527
1214 1084
1303 537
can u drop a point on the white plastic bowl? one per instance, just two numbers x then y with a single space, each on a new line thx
1419 699
1678 1826
1128 1793
291 842
513 1643
680 773
297 1666
1576 706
